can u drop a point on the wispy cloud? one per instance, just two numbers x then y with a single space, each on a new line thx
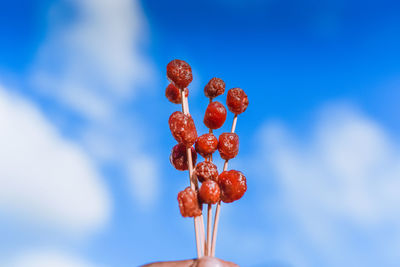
47 258
91 61
91 64
143 175
338 187
44 178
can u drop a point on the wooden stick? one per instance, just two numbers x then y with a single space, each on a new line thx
193 183
200 219
209 212
202 232
218 209
234 124
209 221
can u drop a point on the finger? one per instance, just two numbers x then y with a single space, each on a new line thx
213 262
185 263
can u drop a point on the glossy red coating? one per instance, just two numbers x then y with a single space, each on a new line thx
206 171
228 145
188 203
180 73
215 115
178 157
237 100
206 144
209 192
214 88
232 184
182 128
173 94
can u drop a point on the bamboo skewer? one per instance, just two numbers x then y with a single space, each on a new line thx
209 213
196 221
218 209
209 225
193 184
202 232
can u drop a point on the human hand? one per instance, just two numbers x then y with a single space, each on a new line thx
202 262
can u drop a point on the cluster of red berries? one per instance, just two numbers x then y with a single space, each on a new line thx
227 186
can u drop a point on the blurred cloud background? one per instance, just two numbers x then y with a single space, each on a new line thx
85 178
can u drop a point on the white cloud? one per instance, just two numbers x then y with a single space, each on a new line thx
43 177
92 65
143 176
47 258
339 182
92 59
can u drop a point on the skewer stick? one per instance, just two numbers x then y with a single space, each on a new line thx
234 124
196 221
202 232
193 184
200 219
209 221
209 212
218 209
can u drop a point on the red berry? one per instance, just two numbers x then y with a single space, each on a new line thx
189 203
180 73
206 171
178 157
237 100
182 128
214 88
215 115
228 145
206 144
209 192
174 94
232 184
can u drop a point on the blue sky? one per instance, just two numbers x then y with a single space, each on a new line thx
85 178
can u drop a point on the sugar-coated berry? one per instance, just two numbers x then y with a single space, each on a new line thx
214 88
174 94
237 100
206 171
228 145
215 115
188 203
209 192
206 145
182 128
178 157
180 73
232 185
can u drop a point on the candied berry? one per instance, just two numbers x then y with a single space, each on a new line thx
182 128
209 192
215 115
206 171
228 145
178 157
214 88
180 73
232 185
206 144
189 203
237 100
174 94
